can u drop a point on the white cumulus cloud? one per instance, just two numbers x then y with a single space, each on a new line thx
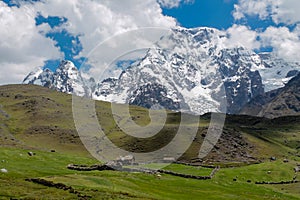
23 45
285 43
261 8
174 3
287 11
280 11
99 20
22 48
239 35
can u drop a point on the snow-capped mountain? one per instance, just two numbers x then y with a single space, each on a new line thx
40 77
278 71
65 79
188 70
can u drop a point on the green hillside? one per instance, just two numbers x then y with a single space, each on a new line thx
39 120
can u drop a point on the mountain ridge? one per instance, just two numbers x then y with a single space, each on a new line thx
189 70
66 78
283 101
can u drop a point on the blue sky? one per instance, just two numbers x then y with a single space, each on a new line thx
213 13
217 14
43 33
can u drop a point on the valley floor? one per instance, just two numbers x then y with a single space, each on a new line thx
228 183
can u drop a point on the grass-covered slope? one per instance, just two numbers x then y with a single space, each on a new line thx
39 120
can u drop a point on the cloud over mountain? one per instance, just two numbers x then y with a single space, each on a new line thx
26 43
22 47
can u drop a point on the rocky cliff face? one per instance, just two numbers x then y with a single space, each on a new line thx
280 102
241 78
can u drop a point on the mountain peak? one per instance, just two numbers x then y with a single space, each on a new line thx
40 77
67 67
33 75
67 70
66 78
190 70
197 30
67 64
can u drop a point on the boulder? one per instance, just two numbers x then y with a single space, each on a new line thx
3 170
273 158
31 153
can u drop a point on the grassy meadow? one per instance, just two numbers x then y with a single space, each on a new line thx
38 120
